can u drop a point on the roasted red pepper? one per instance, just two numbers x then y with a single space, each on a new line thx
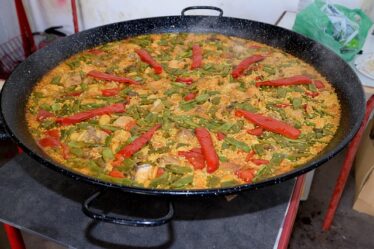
245 174
43 114
250 155
65 151
53 133
239 70
319 84
74 94
49 142
270 124
110 92
207 147
220 136
138 143
194 157
197 56
190 96
110 77
82 116
259 161
282 105
116 174
312 94
147 58
188 81
294 80
256 131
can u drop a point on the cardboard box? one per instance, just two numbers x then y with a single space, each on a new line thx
364 169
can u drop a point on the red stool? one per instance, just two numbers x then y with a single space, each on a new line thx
347 165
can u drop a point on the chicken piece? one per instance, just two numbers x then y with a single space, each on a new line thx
124 122
144 173
93 90
72 80
104 120
91 135
167 159
185 136
253 92
157 106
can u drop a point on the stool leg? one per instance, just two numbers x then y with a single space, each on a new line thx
347 165
14 237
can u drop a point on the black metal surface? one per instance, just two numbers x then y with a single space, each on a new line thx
338 73
128 221
38 200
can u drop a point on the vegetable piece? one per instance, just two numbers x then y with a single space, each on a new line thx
220 136
116 173
138 143
147 58
245 174
250 155
270 124
239 70
197 56
294 80
312 94
282 105
194 157
319 84
49 142
82 116
238 144
111 77
74 94
181 182
107 154
256 131
53 133
207 149
43 114
187 81
259 161
110 92
190 96
176 169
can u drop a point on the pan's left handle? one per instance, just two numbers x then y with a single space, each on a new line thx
183 13
128 221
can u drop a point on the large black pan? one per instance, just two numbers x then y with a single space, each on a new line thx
339 73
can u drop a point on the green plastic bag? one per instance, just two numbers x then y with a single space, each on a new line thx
341 29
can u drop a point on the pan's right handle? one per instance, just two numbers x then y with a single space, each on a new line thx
128 221
202 8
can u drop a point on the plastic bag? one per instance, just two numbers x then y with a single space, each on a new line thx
341 29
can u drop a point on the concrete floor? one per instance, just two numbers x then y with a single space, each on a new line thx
350 228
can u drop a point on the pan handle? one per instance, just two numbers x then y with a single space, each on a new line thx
202 8
128 221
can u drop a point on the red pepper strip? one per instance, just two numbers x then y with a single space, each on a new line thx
82 116
117 174
138 143
188 81
53 133
110 92
74 94
319 84
220 136
207 148
147 58
250 155
259 161
190 96
245 174
49 142
194 157
270 124
43 114
256 131
65 151
282 105
197 56
312 94
294 80
239 70
111 77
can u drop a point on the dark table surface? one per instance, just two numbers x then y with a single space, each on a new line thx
41 201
